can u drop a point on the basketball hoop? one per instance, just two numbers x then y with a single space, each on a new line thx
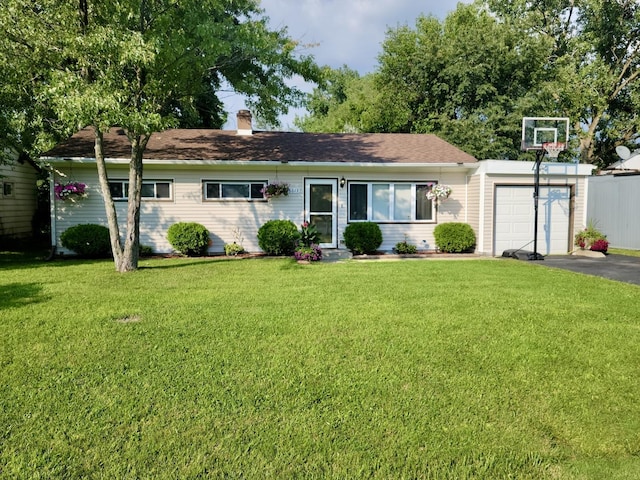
553 149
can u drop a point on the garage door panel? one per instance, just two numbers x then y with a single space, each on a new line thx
515 212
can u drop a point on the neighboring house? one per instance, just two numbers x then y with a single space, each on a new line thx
18 199
214 177
628 165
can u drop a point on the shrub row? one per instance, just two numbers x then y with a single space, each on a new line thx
275 237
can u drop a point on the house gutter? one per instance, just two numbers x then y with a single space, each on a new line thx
265 163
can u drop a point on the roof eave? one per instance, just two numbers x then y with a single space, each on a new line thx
341 164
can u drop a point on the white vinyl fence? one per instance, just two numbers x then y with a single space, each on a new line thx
613 204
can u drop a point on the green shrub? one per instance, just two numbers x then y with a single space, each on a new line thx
454 237
145 251
233 249
189 238
89 240
405 248
362 237
278 237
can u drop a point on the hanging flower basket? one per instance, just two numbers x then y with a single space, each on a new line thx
275 189
439 192
70 191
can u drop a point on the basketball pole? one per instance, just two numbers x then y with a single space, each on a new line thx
536 193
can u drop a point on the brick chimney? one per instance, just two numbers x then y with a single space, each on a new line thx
244 123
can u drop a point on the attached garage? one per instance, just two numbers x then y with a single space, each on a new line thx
515 214
504 219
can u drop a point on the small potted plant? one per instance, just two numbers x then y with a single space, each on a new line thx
592 239
439 192
70 191
275 189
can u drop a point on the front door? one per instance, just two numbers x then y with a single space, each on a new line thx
321 209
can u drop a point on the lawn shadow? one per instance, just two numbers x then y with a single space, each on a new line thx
20 294
178 262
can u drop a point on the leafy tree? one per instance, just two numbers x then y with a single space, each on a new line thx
456 78
145 65
27 124
591 68
472 77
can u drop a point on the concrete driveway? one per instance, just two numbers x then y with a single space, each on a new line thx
615 267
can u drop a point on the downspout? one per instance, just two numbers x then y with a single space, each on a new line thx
52 213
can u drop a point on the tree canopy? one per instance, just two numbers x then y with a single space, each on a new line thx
472 77
143 65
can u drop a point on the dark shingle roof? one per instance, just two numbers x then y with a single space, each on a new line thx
224 145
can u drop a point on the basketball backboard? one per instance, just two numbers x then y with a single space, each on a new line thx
538 131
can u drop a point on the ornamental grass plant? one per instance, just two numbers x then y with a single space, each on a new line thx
194 368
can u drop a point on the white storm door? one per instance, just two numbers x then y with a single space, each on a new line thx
321 208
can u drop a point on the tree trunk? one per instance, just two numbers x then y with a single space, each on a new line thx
109 205
129 259
587 142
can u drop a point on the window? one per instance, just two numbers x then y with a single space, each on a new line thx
151 189
390 202
7 189
232 190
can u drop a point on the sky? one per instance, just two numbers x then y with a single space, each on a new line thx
340 32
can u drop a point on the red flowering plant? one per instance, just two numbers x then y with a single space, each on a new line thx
600 245
70 190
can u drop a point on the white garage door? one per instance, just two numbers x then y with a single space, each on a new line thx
514 216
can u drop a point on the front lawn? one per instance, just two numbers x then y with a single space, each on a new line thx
265 368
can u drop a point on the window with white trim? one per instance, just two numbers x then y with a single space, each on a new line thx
387 202
233 190
151 189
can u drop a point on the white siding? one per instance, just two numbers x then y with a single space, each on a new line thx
17 209
222 217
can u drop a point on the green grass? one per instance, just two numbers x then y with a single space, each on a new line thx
624 251
268 369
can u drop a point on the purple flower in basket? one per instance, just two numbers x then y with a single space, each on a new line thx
70 190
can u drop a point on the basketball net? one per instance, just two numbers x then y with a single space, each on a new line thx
553 149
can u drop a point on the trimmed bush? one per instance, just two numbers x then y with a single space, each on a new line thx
278 237
362 237
88 240
454 237
189 238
